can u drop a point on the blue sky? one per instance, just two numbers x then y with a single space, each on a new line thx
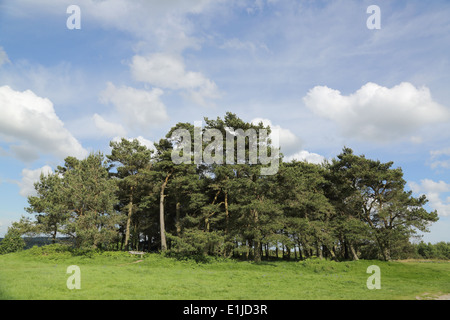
311 69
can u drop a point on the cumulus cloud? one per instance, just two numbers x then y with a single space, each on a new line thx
137 107
378 113
29 177
434 192
290 144
306 156
107 128
30 126
288 141
169 72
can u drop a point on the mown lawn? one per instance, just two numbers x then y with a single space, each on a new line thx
115 276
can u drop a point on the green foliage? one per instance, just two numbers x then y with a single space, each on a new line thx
58 251
440 250
347 209
54 251
12 242
78 200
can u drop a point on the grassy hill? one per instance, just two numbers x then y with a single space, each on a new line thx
41 273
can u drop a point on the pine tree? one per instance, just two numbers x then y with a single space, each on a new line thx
129 158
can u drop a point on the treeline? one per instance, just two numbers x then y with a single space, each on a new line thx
422 250
135 198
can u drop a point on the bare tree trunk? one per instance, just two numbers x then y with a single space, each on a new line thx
352 250
55 231
130 212
257 242
227 248
319 250
177 223
300 250
226 212
161 213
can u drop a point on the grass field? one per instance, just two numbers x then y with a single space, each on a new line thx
38 275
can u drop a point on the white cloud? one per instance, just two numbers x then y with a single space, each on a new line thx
436 158
434 192
169 72
378 113
288 141
29 177
140 108
290 144
437 153
306 156
107 128
29 123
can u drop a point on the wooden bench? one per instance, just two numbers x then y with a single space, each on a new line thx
136 253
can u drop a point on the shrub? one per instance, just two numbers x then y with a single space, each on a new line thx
54 251
12 242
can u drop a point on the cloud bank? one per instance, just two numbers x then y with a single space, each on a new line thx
136 107
169 72
377 113
31 127
29 177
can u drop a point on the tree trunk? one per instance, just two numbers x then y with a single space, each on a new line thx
319 250
55 231
345 245
226 212
300 250
288 253
247 249
352 250
257 251
227 247
161 213
177 223
257 241
384 248
130 212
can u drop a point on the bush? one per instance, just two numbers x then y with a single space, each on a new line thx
440 250
58 251
52 251
12 242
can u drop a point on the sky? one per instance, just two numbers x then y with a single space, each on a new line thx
75 75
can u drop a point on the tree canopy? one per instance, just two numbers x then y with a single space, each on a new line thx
216 204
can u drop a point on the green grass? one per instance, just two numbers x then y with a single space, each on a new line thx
32 275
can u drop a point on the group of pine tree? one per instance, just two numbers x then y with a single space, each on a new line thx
135 198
